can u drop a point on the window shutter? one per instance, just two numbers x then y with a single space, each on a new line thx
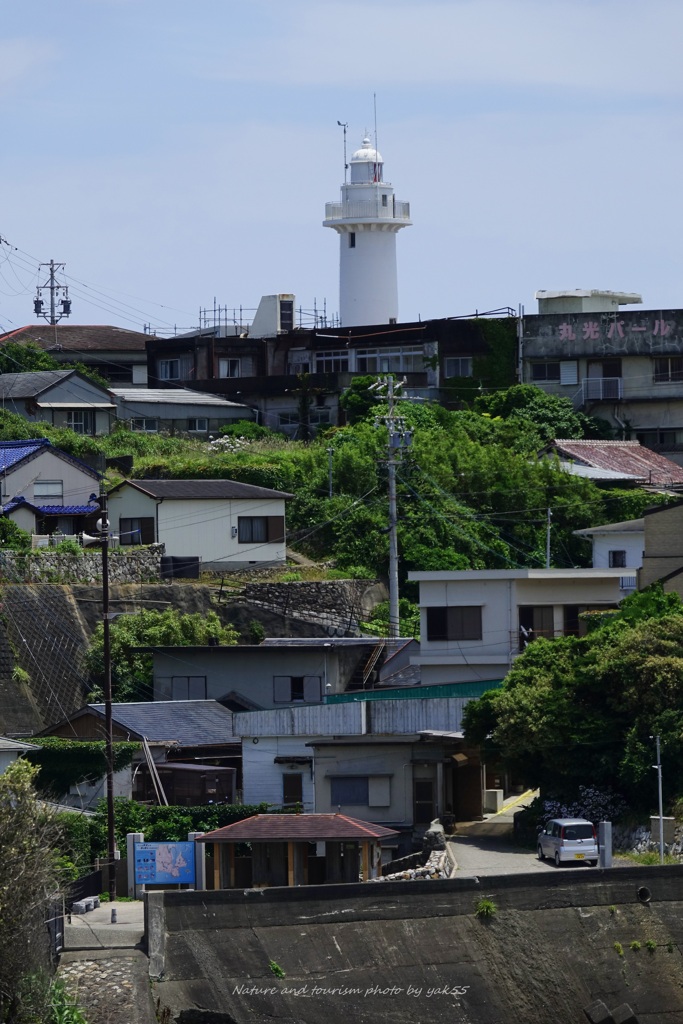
147 531
437 628
569 372
282 689
312 689
276 529
379 791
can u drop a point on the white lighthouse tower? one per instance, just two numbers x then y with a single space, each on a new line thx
367 218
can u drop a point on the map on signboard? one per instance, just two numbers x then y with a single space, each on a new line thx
164 863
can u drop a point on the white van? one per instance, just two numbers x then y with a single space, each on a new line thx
568 839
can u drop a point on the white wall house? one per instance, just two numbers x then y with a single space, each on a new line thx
618 546
474 623
227 524
399 762
44 489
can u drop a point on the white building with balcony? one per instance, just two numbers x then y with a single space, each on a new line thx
474 623
367 219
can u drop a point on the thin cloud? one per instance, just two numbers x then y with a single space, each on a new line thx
574 44
21 59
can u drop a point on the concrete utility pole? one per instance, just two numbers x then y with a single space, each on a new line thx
103 530
400 440
55 290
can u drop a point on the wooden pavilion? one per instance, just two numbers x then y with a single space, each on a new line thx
282 852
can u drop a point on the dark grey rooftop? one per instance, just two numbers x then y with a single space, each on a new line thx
28 385
191 723
201 489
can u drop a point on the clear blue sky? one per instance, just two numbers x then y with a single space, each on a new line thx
173 151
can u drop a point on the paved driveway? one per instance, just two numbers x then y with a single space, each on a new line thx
487 848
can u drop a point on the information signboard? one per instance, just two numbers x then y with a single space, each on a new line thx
164 863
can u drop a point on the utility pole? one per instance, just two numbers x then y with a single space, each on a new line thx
399 440
55 290
103 529
547 538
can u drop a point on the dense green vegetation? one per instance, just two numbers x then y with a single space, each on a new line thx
472 491
131 667
584 711
64 763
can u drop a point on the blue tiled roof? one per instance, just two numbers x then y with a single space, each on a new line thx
191 723
12 452
49 510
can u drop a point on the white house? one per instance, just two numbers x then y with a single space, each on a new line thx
618 546
474 623
229 525
44 490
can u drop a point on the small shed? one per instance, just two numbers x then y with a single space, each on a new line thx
282 852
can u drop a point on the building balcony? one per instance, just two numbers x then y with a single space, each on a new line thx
367 210
602 389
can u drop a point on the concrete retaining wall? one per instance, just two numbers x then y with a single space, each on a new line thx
417 951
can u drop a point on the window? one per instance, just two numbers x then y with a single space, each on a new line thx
668 369
81 421
352 239
188 688
331 362
545 371
402 359
260 529
384 199
144 425
252 529
286 315
180 688
175 369
535 621
460 622
117 373
137 531
52 489
349 790
228 367
617 559
458 366
299 689
199 425
292 788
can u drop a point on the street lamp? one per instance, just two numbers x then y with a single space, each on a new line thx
658 766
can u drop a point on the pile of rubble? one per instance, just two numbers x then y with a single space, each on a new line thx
438 862
438 866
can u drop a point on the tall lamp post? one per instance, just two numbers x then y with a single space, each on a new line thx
103 530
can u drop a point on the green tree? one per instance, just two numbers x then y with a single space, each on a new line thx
582 711
29 883
132 667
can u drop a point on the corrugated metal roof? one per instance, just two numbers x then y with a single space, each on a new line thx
191 723
269 828
623 457
201 489
475 689
171 396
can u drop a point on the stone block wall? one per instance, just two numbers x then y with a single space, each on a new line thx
135 565
338 606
